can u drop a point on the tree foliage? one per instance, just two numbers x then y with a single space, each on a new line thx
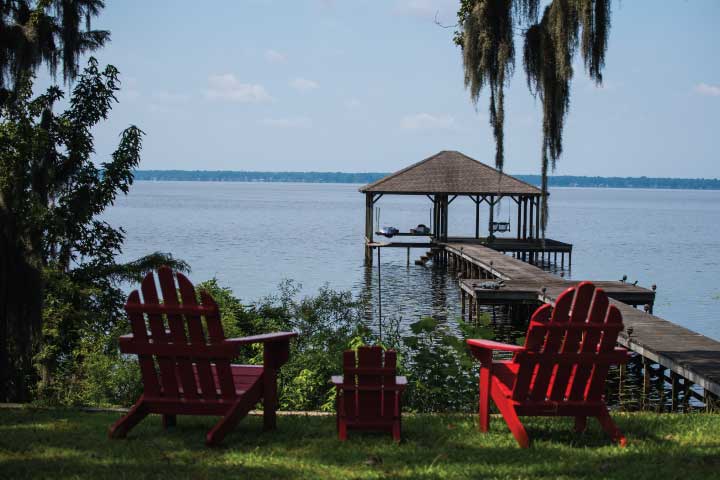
486 37
51 32
56 252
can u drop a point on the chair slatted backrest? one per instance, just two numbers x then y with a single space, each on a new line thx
369 383
180 355
569 348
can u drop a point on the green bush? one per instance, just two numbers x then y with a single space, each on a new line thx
327 324
89 369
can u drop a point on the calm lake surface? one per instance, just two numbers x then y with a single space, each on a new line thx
251 236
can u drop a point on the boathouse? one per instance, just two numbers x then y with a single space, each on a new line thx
448 175
664 354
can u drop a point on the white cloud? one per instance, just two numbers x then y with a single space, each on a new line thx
228 87
303 84
290 122
273 56
707 89
427 121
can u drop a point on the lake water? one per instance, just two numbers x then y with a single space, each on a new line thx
251 236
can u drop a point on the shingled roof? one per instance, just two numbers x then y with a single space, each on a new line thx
450 172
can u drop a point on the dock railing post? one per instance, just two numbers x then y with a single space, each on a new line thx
379 299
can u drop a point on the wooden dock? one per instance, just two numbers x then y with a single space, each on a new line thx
686 354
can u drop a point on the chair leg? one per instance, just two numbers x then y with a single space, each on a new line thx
236 413
169 421
396 431
484 404
342 429
610 428
121 428
512 420
580 424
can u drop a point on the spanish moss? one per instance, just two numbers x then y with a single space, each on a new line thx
486 37
54 33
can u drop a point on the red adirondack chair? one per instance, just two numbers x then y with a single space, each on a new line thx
186 368
562 368
368 392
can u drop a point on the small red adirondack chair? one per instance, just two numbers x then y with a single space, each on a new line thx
368 392
562 368
186 368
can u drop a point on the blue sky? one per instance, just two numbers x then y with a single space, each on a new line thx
369 85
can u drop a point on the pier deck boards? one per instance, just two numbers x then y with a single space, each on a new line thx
687 353
527 291
507 244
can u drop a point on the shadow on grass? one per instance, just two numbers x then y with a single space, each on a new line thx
67 444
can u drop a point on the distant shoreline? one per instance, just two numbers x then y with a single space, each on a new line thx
369 177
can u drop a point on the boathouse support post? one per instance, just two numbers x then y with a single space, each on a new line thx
477 216
537 217
519 215
491 220
445 211
369 206
525 218
532 216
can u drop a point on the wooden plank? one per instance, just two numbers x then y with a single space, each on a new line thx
682 351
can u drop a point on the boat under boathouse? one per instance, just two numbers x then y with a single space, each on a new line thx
448 175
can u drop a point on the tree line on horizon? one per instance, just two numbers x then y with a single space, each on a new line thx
369 177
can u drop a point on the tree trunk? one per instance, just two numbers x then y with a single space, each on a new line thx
21 297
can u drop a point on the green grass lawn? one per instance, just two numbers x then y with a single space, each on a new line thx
72 444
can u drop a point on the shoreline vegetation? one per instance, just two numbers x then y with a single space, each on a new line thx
369 177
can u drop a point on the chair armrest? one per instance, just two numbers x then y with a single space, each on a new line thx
125 342
276 348
264 338
491 345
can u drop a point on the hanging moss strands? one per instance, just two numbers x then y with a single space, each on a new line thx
54 33
486 37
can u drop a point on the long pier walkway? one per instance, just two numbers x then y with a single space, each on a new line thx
687 355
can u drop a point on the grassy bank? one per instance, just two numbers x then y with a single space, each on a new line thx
72 444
